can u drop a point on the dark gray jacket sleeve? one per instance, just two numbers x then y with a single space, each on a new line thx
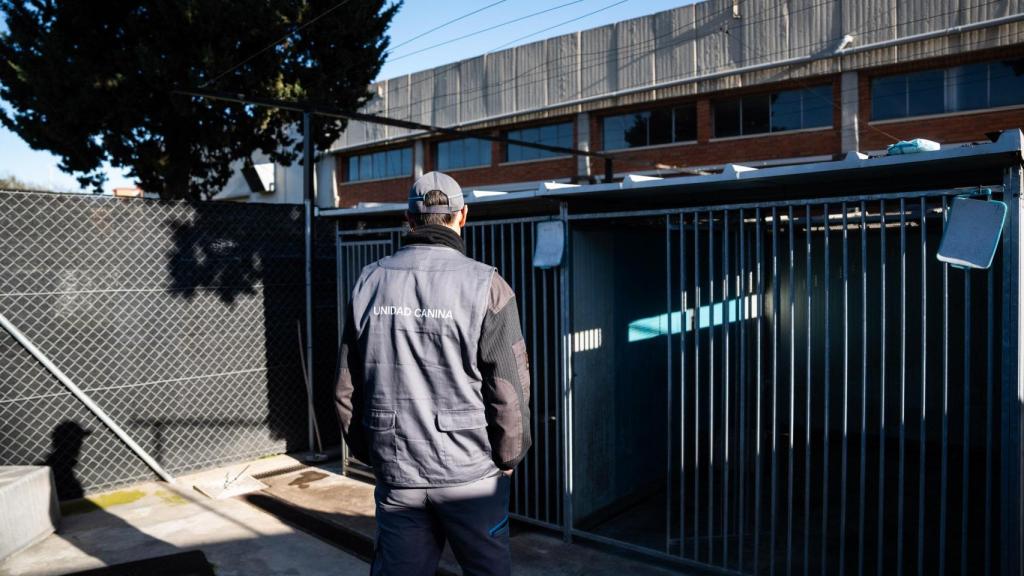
348 392
506 377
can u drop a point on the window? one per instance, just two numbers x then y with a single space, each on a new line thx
957 89
774 112
463 153
552 135
386 164
650 127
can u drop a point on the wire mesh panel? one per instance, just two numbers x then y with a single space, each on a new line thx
830 391
178 320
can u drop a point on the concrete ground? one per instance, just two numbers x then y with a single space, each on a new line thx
157 519
249 535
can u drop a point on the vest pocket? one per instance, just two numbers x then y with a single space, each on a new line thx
380 424
465 439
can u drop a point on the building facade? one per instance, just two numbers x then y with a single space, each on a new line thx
695 88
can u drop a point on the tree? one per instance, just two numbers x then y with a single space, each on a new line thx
94 81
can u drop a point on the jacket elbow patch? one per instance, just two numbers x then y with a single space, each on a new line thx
509 421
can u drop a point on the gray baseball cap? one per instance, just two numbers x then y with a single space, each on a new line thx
435 181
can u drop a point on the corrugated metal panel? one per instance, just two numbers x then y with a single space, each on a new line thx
634 40
716 50
446 95
473 98
762 30
398 104
599 70
531 76
870 21
563 82
919 16
695 40
815 27
501 82
675 43
421 94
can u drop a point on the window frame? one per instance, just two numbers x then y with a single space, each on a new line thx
357 160
448 143
507 148
951 97
647 112
803 91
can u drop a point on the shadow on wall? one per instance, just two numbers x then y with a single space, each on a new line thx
242 266
68 439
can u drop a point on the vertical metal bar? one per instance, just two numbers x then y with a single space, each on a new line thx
862 495
668 383
989 412
524 504
943 486
544 320
903 385
792 389
745 303
567 379
726 328
775 378
757 403
828 394
846 392
541 386
809 277
711 387
696 385
1013 379
966 483
924 385
881 387
683 326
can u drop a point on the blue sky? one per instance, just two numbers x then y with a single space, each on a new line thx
415 18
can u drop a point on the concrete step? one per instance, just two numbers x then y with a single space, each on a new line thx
341 510
28 507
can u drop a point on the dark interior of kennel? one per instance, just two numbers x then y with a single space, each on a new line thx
805 347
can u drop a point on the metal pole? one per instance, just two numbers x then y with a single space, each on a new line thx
84 399
1013 378
565 322
307 189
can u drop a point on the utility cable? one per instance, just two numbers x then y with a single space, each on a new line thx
488 29
452 21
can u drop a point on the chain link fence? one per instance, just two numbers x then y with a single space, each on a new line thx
181 321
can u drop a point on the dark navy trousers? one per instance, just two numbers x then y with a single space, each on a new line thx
413 525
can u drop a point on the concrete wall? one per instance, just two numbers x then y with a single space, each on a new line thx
619 386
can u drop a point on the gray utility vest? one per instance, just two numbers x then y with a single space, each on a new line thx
418 315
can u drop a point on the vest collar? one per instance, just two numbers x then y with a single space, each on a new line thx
435 234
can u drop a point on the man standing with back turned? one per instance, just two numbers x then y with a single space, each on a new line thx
434 392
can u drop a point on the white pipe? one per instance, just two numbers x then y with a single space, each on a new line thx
84 399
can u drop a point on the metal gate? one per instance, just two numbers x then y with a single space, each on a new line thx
793 387
507 245
830 392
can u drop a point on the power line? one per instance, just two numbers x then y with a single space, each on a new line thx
275 43
452 21
496 26
558 25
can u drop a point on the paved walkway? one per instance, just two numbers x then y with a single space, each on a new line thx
240 537
155 519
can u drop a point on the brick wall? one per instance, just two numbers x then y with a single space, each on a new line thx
708 151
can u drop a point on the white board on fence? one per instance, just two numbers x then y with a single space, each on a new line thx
549 245
972 233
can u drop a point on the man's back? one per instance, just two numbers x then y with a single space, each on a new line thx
418 315
434 392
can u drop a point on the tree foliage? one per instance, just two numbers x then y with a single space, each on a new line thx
94 81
